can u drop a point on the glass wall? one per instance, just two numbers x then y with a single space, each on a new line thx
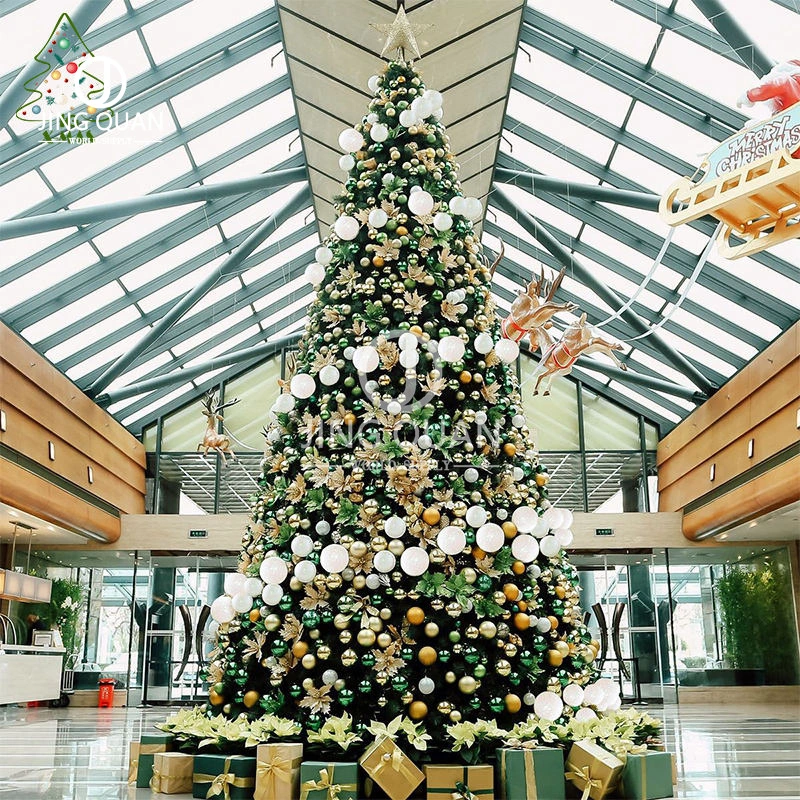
600 456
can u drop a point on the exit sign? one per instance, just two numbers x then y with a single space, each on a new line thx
198 534
603 531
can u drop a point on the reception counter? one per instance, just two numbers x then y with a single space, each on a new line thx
29 673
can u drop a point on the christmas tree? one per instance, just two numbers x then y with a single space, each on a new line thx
402 558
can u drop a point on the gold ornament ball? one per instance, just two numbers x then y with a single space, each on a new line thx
487 629
359 581
415 615
375 624
450 676
349 418
382 677
553 622
513 703
215 699
472 632
349 657
272 622
418 710
309 661
251 698
561 592
299 649
554 658
503 667
453 609
522 622
427 655
444 707
518 568
345 637
470 575
431 516
511 591
308 683
509 449
366 637
467 684
396 548
542 478
455 715
333 581
384 640
295 584
323 652
431 629
255 615
509 529
499 597
378 543
406 698
358 549
562 648
437 556
340 622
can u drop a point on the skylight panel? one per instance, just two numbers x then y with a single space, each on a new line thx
697 354
114 10
607 22
711 332
641 170
225 86
176 288
262 160
257 212
769 23
212 330
102 329
139 372
193 24
286 311
285 290
662 369
626 391
280 260
156 405
14 251
761 276
220 292
225 345
555 162
20 194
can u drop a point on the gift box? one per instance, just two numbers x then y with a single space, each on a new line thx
278 771
172 773
531 774
593 770
647 776
391 769
226 777
133 763
151 744
456 781
320 780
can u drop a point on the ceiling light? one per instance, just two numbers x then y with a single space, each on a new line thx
24 588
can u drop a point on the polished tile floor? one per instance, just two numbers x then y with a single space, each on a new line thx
81 754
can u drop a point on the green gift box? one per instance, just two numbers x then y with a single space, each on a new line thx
446 781
225 777
531 774
647 776
319 779
151 744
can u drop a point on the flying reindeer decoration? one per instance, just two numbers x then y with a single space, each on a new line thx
212 439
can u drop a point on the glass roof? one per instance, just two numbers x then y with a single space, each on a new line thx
627 94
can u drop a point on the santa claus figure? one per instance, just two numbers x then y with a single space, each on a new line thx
778 90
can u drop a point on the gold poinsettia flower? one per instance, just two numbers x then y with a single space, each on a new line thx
369 519
339 483
309 425
390 208
491 358
390 422
387 660
487 489
434 385
490 393
506 485
388 252
257 530
214 672
447 258
296 489
359 327
415 271
453 311
425 220
399 481
292 628
347 277
314 598
362 215
318 701
321 472
444 496
284 665
414 303
389 352
486 566
368 452
254 646
279 463
362 563
322 360
332 315
291 366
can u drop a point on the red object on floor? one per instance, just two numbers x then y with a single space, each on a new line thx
105 692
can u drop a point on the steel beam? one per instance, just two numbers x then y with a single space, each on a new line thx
503 201
750 54
15 95
603 194
12 229
231 264
188 373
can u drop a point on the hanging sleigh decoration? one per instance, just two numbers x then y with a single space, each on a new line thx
212 439
751 181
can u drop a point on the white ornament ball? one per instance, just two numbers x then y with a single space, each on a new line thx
507 350
451 540
518 474
541 528
348 352
253 586
534 570
374 83
347 162
433 98
476 516
426 685
518 420
409 359
305 571
334 558
234 583
273 570
563 536
373 581
572 694
549 546
242 602
481 417
593 695
328 375
322 527
438 114
484 343
222 610
420 202
350 140
543 625
451 349
377 218
552 516
393 407
302 385
387 178
585 714
302 545
525 518
408 341
567 518
394 527
272 594
490 537
529 698
524 548
548 706
379 132
471 475
414 561
315 273
324 255
408 118
425 442
329 677
366 358
442 221
346 227
384 561
473 209
457 206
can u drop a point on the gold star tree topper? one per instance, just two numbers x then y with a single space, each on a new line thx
401 36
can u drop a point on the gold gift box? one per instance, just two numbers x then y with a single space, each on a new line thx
172 773
593 770
278 771
391 769
442 780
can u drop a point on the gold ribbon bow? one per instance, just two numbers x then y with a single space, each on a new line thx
585 774
324 782
221 783
278 770
395 759
155 781
462 792
133 770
